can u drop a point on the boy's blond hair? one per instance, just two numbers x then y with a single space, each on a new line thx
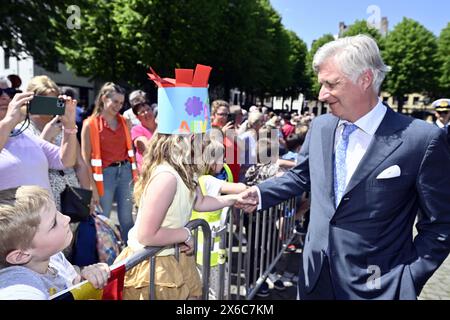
42 85
19 217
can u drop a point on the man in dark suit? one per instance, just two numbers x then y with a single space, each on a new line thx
369 170
442 113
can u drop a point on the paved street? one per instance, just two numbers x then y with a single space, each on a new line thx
438 287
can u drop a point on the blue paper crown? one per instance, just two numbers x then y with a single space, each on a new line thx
183 102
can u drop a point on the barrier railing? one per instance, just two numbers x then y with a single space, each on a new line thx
262 238
90 292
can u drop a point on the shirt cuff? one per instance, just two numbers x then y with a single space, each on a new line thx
259 199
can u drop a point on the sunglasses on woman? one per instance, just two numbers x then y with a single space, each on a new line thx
9 91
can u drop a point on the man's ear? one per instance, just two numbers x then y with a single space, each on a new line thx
366 79
18 257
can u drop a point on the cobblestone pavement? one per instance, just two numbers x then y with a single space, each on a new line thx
438 287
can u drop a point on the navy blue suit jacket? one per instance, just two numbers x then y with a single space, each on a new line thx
373 225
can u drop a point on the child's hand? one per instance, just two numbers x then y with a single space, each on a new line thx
187 247
97 274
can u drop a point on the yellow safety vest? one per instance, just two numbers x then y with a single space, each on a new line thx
213 218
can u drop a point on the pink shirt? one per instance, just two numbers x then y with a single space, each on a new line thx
136 132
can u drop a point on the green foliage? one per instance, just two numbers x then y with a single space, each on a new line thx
411 51
444 60
315 87
243 40
33 26
361 27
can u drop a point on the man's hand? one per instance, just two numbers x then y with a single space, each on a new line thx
248 200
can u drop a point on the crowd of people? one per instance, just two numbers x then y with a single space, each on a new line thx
369 171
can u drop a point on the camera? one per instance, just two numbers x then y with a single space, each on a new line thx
47 106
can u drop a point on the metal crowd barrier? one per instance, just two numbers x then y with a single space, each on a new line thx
267 233
150 253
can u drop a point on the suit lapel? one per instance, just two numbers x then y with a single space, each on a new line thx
328 137
383 144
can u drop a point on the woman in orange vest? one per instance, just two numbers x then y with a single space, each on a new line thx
107 147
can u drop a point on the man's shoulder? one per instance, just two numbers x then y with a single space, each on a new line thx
418 126
324 119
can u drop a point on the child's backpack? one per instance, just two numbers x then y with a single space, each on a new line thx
109 241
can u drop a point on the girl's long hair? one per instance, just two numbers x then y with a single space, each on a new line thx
177 151
108 89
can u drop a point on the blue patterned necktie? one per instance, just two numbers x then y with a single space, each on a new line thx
340 169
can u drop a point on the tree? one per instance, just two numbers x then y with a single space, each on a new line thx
32 27
315 88
361 27
298 59
411 51
444 60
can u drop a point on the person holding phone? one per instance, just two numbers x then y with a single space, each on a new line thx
220 110
49 128
25 158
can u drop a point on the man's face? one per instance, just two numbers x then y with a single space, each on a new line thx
221 116
443 116
342 95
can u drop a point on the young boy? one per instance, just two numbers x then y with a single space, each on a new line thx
32 235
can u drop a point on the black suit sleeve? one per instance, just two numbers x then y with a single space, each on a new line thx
293 183
432 243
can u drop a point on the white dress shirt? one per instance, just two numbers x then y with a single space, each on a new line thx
359 140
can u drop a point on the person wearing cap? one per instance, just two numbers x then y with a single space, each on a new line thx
135 97
369 170
442 113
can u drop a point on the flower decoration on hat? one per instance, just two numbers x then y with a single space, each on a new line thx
183 102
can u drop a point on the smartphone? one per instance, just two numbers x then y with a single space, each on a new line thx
47 105
231 117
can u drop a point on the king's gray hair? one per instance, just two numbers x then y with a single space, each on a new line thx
354 55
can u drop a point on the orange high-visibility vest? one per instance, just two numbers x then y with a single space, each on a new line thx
96 157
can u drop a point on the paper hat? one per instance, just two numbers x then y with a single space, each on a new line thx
183 102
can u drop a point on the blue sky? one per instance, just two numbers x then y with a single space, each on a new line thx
311 19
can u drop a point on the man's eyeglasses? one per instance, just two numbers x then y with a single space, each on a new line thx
443 112
145 111
9 91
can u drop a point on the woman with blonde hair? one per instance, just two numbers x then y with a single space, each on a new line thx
107 147
49 128
166 193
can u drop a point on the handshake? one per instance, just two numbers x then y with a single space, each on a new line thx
247 200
